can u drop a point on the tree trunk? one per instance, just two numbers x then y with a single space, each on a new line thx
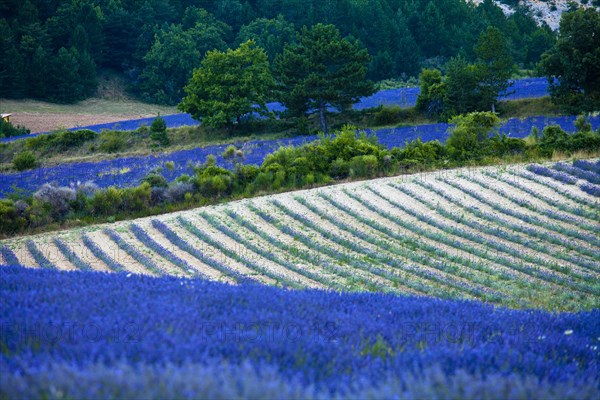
493 107
322 116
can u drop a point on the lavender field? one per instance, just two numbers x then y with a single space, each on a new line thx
474 283
127 172
403 97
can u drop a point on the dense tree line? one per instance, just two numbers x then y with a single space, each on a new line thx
51 49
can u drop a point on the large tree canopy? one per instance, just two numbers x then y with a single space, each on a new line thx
573 64
229 85
322 69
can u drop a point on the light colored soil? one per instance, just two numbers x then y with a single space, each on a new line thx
163 264
503 202
42 122
251 256
40 116
113 251
193 261
464 199
270 248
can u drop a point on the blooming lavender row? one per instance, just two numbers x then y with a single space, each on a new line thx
507 234
554 202
143 237
246 381
589 176
332 343
277 277
594 190
141 258
101 255
418 252
128 171
8 256
592 166
71 256
547 274
559 176
531 219
38 256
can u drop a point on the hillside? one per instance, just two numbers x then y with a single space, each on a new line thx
502 235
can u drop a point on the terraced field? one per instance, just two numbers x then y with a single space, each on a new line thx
502 235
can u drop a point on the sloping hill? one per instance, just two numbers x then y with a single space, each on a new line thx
503 235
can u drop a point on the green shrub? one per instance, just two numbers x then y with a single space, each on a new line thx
111 142
339 169
470 135
363 166
170 165
158 131
10 220
60 141
7 129
24 160
155 180
137 198
388 115
107 202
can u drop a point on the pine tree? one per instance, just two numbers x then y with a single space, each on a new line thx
322 69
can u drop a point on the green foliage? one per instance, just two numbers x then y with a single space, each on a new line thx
107 202
573 64
555 139
158 131
322 69
582 124
60 141
270 34
111 141
229 85
470 135
176 51
156 44
431 96
10 219
155 180
340 156
24 160
495 65
7 129
416 153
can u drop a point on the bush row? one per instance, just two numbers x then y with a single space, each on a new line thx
345 155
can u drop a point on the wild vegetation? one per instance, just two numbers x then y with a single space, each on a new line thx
333 158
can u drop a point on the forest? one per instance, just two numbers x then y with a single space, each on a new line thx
55 50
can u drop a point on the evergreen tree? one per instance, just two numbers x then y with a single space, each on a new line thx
495 66
322 69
